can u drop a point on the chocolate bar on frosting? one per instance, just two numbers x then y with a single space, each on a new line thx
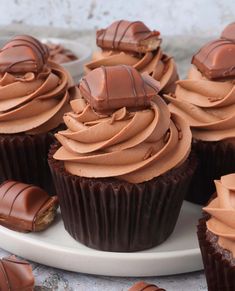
143 286
23 54
216 59
110 88
26 207
15 274
128 36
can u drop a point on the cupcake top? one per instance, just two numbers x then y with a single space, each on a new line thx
59 54
126 131
134 44
222 211
33 91
15 274
206 99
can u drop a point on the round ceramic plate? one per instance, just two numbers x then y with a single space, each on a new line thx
54 247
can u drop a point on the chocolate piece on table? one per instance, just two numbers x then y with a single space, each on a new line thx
26 207
15 274
229 32
128 36
110 88
23 54
216 59
143 286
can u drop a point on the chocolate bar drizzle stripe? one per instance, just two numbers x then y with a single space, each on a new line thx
18 194
5 193
115 33
87 85
106 84
149 285
143 87
5 275
132 80
125 31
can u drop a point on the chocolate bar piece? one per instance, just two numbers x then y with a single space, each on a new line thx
15 274
110 88
26 207
128 36
229 32
216 60
143 286
23 54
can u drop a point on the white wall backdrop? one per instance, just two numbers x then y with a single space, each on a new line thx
199 17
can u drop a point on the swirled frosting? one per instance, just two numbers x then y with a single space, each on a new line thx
156 63
208 106
59 54
222 211
135 146
33 99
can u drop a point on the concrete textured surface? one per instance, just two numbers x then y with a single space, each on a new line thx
182 47
171 17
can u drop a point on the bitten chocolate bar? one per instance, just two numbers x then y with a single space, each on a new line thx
26 207
23 54
15 274
110 88
216 60
128 36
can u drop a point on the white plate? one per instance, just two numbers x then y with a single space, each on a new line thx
54 247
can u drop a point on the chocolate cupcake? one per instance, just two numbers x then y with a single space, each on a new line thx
123 169
59 54
216 233
134 44
144 286
206 99
33 99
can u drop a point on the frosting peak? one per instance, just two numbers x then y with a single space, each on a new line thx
222 211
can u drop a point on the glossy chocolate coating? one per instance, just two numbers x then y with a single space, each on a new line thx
216 59
15 274
21 204
128 36
144 286
23 54
110 88
229 32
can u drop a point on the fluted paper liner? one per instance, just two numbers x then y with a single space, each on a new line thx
219 264
24 158
113 215
215 159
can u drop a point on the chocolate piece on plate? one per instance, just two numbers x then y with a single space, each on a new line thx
26 207
128 36
144 286
15 274
216 59
111 88
23 54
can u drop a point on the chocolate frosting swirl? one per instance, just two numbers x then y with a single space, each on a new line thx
33 91
222 211
133 146
208 106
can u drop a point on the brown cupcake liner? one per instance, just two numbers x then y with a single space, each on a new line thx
219 264
215 159
24 158
113 215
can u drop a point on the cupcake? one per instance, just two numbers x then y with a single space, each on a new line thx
216 233
144 286
59 54
33 99
123 167
134 44
206 99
